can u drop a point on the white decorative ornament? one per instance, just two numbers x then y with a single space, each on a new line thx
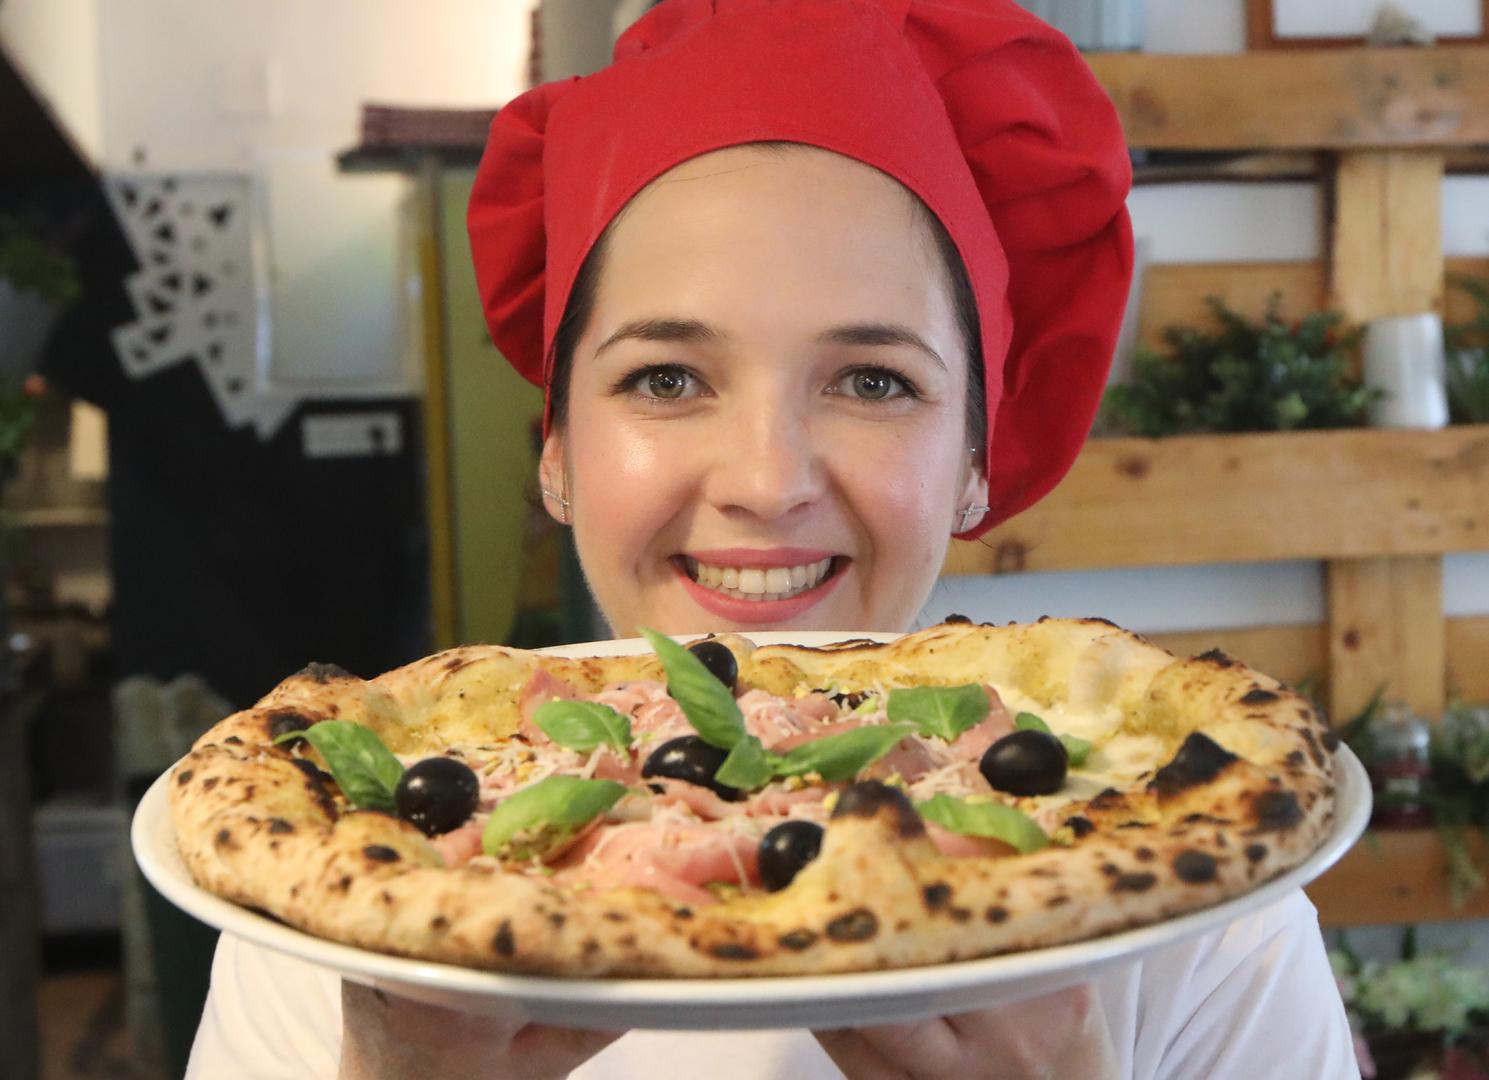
201 294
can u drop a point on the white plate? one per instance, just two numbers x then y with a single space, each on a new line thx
816 1001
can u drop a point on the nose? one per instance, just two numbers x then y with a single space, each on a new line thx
766 462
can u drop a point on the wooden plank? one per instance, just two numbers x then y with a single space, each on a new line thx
1355 98
1458 306
1467 644
1395 877
1269 166
1174 293
1386 631
1250 498
1386 256
1296 653
1289 653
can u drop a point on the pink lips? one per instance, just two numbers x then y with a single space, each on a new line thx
759 612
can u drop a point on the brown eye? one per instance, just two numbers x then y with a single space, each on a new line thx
667 383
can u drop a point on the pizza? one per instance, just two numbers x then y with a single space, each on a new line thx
723 809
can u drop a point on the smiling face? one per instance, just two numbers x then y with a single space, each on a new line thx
766 413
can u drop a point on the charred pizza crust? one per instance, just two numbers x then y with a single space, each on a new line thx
1245 793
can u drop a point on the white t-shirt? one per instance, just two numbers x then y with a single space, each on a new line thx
1256 999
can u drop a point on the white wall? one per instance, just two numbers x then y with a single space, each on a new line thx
55 44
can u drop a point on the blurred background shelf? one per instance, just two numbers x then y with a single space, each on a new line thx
62 517
1397 877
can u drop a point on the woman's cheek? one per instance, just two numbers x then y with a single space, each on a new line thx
628 486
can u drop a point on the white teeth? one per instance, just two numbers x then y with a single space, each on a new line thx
754 583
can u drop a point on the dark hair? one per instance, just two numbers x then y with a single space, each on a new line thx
581 304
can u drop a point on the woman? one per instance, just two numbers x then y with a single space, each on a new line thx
856 298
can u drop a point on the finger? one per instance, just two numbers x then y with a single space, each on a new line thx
1059 1034
857 1058
558 1051
928 1048
395 1038
410 1018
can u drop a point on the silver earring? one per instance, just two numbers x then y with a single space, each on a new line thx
556 497
968 512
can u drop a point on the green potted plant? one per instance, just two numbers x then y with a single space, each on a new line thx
1267 375
1468 356
1423 1010
37 280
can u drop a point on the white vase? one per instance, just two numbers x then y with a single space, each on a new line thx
1404 358
26 319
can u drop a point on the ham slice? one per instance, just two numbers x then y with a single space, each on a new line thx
911 758
612 766
459 846
542 688
776 801
955 845
701 800
791 742
771 719
971 744
817 708
670 857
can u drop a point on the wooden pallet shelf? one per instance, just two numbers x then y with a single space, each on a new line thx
1188 500
1378 128
1396 877
1301 100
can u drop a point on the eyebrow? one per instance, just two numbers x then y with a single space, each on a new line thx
879 334
694 332
677 331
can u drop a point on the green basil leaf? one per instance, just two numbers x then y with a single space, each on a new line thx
942 711
706 702
584 725
1027 721
364 769
1000 822
748 765
841 756
534 821
1076 748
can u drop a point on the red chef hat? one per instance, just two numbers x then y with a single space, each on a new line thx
984 112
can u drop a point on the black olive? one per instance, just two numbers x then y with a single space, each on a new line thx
691 759
1025 763
718 659
785 850
437 794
